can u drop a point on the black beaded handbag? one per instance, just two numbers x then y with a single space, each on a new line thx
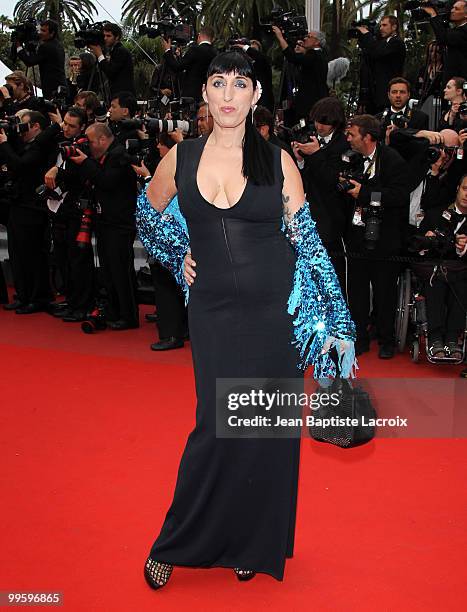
354 402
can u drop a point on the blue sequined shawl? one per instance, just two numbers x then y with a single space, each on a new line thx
321 316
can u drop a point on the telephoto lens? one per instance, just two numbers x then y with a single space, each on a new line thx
94 322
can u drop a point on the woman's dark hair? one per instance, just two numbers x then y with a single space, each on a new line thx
258 163
330 112
88 61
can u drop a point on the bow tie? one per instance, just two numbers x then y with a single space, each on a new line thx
366 159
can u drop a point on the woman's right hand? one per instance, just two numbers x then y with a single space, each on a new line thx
188 271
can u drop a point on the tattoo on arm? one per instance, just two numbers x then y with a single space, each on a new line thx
288 214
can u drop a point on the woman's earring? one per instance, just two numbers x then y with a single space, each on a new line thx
253 108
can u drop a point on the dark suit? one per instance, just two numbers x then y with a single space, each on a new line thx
115 191
194 65
313 74
263 71
28 222
386 61
417 120
328 208
50 57
454 41
391 181
445 315
119 70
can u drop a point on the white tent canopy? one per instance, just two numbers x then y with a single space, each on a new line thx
4 71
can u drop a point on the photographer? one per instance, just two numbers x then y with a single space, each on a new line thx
454 94
169 300
115 197
376 232
399 113
28 221
49 56
386 54
311 58
454 40
446 169
320 160
122 107
264 123
17 95
204 120
446 290
90 104
75 259
118 68
194 64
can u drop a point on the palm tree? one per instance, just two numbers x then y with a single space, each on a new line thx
5 22
243 17
144 11
72 11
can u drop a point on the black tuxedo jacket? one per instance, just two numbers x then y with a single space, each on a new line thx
114 186
50 57
386 61
194 65
454 41
119 70
312 87
320 177
417 120
391 180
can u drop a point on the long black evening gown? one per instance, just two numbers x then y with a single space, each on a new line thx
235 499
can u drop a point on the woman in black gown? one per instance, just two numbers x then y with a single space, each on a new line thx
235 499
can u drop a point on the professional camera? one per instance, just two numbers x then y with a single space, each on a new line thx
179 32
135 151
90 34
46 193
434 152
95 321
303 131
25 33
155 126
418 15
353 33
442 243
353 170
12 126
236 41
58 102
294 27
183 109
373 218
67 150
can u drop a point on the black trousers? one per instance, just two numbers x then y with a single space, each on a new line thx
116 258
382 276
28 249
74 261
445 315
170 303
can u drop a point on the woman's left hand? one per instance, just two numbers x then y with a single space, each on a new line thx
188 272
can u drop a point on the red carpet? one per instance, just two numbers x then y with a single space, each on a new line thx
92 429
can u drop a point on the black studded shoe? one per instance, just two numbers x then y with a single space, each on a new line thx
244 575
157 574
